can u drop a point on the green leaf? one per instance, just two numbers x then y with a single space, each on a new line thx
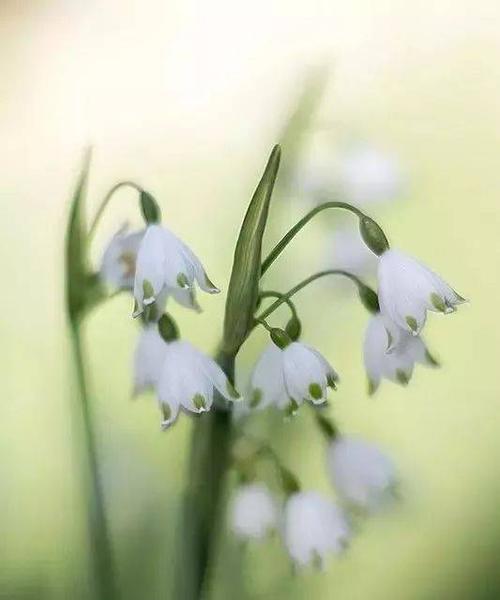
76 246
243 289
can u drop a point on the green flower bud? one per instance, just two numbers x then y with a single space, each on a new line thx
372 235
280 338
168 328
150 209
294 328
368 298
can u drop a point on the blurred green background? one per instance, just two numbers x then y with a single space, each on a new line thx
187 98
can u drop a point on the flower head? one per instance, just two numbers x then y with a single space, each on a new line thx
254 512
188 379
286 377
407 289
391 353
367 174
313 528
119 259
148 359
166 265
362 475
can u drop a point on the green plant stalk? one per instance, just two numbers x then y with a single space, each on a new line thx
200 522
100 544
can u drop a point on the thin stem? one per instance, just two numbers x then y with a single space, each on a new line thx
273 294
105 202
286 239
264 324
305 283
101 553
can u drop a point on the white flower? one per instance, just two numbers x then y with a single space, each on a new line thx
288 377
188 379
254 513
119 259
391 353
362 475
166 265
407 289
367 175
148 359
314 527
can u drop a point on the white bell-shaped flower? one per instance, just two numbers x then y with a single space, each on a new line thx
166 265
361 473
287 377
253 511
313 528
391 353
188 380
149 357
407 289
119 259
367 174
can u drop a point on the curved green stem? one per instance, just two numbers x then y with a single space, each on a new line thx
273 294
105 202
101 552
286 239
306 282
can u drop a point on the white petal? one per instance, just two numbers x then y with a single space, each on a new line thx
119 259
304 374
253 512
267 381
199 272
148 359
149 268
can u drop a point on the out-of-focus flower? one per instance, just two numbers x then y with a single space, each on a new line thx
391 353
366 175
188 379
284 377
166 264
314 527
148 359
408 289
361 473
254 512
119 259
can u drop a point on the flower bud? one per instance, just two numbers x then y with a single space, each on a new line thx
373 236
294 328
150 209
168 328
280 338
368 298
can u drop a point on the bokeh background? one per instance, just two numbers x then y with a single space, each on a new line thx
187 98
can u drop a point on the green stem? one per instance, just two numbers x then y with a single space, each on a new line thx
305 283
273 294
105 202
283 243
101 553
200 523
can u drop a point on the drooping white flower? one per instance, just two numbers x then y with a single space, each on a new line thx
288 377
361 473
119 259
253 512
367 175
391 353
407 289
314 527
148 359
166 265
188 380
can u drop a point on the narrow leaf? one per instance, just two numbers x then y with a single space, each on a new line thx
244 284
76 250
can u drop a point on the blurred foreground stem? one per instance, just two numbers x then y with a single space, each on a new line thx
200 522
100 546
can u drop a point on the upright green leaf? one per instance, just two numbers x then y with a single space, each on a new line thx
244 284
76 246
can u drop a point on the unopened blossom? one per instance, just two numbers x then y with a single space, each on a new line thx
253 512
166 265
286 377
366 175
361 473
148 359
119 259
314 527
188 380
391 353
407 289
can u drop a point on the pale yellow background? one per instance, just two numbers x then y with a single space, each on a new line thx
187 98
